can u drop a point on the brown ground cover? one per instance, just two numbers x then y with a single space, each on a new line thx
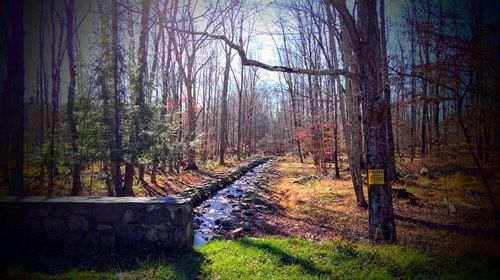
93 180
319 207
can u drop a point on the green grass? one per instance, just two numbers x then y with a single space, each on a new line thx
289 258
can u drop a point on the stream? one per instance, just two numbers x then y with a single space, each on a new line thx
208 216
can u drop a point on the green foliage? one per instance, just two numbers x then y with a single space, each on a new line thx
290 258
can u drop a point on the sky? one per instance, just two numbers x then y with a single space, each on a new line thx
261 45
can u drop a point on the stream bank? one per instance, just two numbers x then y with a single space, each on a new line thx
234 209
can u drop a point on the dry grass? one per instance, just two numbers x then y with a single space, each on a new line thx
325 208
317 209
168 184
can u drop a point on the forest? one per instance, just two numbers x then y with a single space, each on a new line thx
309 139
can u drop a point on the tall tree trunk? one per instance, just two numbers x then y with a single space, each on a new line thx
366 40
351 131
128 180
413 107
153 171
116 153
382 227
14 93
76 172
391 164
223 115
142 78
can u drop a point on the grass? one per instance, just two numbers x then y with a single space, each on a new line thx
290 258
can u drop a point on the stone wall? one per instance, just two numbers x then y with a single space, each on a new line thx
98 221
200 193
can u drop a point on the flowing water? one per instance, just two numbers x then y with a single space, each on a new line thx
209 214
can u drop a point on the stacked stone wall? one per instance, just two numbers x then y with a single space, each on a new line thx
98 221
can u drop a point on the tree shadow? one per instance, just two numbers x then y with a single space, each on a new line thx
207 174
50 259
152 192
166 189
285 258
450 228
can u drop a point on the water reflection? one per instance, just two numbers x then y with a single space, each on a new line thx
210 213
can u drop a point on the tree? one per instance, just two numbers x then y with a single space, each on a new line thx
382 228
13 98
126 189
142 115
69 7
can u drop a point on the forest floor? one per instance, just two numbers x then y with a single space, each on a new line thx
93 180
308 227
320 207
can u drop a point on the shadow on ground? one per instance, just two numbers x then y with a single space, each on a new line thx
51 260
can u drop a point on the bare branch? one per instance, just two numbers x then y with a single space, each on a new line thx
250 62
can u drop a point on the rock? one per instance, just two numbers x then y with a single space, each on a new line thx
152 235
129 232
247 226
54 225
40 212
104 228
471 206
91 239
244 205
453 209
106 213
72 238
424 171
237 232
230 196
157 215
129 216
248 212
163 236
108 241
227 223
78 223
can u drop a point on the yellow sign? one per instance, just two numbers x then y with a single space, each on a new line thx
375 176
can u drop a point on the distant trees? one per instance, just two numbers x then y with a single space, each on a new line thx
12 99
163 89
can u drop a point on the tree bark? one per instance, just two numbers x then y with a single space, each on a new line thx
223 116
14 93
76 172
116 153
391 164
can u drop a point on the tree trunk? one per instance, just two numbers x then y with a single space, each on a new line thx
223 115
351 132
76 172
141 119
116 152
382 228
153 171
129 180
14 93
391 164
